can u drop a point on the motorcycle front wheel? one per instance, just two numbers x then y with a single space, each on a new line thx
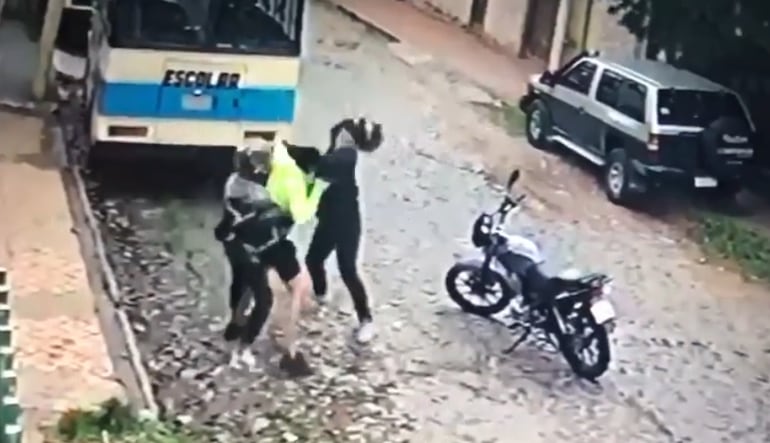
586 348
463 283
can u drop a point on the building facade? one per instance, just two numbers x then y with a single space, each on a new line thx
525 28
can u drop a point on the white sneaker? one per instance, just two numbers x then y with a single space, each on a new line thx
235 359
241 355
366 332
248 359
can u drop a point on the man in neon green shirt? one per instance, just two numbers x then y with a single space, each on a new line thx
288 185
298 194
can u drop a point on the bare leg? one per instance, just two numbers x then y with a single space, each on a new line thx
300 289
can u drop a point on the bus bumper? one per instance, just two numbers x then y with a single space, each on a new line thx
172 132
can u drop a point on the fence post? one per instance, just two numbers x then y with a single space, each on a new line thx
10 410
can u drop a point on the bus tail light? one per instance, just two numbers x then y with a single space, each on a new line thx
266 135
127 131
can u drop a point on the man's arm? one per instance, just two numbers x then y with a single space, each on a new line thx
288 186
224 228
306 157
303 202
255 210
337 164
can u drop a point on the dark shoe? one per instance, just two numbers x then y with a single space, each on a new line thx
233 331
323 299
295 366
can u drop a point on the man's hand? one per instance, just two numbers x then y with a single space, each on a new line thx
320 184
222 231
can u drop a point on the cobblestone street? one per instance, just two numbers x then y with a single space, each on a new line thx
691 354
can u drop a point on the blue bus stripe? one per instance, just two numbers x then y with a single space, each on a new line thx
148 100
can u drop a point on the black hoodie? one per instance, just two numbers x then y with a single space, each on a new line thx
338 168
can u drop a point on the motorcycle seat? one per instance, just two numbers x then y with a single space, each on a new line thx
561 284
549 287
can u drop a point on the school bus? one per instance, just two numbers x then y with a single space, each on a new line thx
193 72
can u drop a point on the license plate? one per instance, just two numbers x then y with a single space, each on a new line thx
602 311
705 182
192 102
738 152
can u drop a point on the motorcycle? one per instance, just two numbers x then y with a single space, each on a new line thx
570 311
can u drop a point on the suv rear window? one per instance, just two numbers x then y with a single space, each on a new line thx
683 107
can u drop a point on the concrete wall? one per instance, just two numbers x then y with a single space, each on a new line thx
504 22
459 10
576 28
606 34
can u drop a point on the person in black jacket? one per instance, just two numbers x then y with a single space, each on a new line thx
339 217
251 225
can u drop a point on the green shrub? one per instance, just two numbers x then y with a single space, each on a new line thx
736 240
120 425
506 116
515 120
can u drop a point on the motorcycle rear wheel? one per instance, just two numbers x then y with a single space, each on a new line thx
583 369
495 279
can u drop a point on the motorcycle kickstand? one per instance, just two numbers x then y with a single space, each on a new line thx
524 335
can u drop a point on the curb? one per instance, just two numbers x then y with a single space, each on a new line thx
371 25
110 284
31 109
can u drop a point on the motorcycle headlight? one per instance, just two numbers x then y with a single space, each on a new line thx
607 289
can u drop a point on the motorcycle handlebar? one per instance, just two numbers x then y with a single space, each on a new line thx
510 203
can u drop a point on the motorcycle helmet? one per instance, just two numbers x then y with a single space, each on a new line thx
362 133
482 230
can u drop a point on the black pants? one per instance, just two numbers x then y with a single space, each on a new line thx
251 276
341 234
247 276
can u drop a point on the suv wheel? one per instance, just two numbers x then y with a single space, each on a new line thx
617 178
538 125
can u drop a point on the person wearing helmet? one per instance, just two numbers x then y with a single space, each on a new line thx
339 216
264 198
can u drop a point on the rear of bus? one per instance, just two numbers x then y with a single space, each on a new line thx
193 72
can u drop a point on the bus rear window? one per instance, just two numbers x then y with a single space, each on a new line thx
682 107
245 25
229 26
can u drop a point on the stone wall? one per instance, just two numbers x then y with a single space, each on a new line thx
457 10
505 21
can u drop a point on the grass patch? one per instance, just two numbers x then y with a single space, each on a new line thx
114 422
736 240
507 116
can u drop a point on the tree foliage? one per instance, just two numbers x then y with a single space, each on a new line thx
697 28
727 41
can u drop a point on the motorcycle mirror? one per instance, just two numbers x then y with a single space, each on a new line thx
514 176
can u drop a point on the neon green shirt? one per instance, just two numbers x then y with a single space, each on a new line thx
288 188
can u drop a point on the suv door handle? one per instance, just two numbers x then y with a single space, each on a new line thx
581 110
